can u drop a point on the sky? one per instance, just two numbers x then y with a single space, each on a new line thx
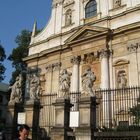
16 15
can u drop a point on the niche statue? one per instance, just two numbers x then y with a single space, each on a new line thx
64 82
88 79
34 88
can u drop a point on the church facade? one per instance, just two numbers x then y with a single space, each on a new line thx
103 35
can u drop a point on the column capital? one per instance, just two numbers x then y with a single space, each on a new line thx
104 53
53 67
49 68
133 47
76 60
56 66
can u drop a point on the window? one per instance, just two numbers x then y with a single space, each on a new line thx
91 9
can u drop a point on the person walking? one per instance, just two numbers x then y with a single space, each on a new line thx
23 132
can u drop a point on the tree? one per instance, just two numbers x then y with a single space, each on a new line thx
135 111
2 58
22 40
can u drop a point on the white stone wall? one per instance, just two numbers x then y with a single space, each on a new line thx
56 24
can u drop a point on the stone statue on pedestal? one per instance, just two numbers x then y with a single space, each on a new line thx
88 79
64 82
16 91
34 88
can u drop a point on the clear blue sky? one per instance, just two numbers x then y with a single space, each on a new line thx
16 15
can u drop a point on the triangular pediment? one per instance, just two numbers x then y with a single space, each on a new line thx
87 32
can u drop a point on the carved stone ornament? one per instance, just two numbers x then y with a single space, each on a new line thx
133 47
68 17
89 58
68 2
16 91
121 79
56 66
76 60
53 67
49 68
117 3
88 79
104 53
56 2
64 83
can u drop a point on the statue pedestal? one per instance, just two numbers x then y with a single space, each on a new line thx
32 109
62 112
87 109
11 120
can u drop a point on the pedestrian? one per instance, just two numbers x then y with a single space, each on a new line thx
24 132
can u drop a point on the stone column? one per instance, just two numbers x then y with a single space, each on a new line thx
75 74
49 71
105 84
75 81
133 47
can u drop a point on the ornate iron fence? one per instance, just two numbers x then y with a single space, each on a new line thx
118 110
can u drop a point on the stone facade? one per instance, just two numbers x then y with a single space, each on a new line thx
109 43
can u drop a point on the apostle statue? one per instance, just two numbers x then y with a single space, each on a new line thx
34 89
16 90
64 82
88 79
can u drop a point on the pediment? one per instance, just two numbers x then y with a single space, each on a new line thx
120 62
87 32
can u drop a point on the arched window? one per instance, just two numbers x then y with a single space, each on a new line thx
91 9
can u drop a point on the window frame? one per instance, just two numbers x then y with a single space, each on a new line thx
91 9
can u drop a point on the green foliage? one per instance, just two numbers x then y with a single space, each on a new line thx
2 58
22 40
135 111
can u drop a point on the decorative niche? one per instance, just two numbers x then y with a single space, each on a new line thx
121 73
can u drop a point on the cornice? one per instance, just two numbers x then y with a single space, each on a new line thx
126 28
89 23
47 52
114 16
55 36
31 57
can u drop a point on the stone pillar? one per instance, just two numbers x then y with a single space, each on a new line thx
75 74
87 122
75 81
62 112
105 84
133 47
32 111
12 120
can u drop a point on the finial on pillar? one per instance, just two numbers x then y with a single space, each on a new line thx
34 29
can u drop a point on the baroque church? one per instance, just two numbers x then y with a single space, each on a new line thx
100 36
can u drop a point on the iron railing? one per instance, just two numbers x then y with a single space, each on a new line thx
117 109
